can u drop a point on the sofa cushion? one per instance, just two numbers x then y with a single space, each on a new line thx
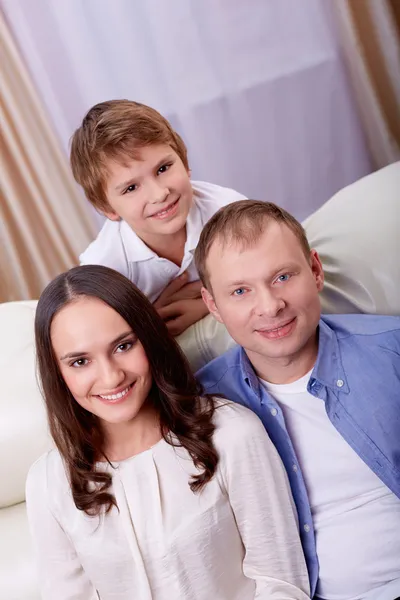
23 429
18 579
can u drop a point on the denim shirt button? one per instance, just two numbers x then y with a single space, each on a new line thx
307 527
274 412
340 383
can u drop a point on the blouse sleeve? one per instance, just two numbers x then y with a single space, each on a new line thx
261 500
60 573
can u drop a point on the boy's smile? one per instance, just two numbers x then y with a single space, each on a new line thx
151 192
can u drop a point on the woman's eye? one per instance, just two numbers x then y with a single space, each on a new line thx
163 168
239 292
124 347
284 277
80 362
130 188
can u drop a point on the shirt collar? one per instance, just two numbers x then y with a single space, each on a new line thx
134 247
328 369
194 226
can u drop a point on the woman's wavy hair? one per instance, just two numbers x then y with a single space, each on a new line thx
184 410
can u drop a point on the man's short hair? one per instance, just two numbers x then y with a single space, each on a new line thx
243 223
116 130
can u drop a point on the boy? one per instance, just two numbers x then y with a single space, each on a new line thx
134 169
327 390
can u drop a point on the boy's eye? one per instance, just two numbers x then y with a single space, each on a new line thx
130 188
79 362
164 168
239 292
124 347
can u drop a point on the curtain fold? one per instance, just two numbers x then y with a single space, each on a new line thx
370 35
44 223
258 90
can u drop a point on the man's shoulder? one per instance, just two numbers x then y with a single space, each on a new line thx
209 197
362 326
107 249
219 370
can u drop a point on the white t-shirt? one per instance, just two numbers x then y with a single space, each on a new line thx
356 517
237 539
117 245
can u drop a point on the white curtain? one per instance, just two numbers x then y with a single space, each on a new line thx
371 45
44 224
257 89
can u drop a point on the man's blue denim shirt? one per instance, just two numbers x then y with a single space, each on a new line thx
357 375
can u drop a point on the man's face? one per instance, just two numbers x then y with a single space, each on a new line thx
152 194
266 295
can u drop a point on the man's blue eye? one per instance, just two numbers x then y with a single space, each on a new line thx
239 292
284 277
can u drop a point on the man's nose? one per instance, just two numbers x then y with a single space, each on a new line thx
268 303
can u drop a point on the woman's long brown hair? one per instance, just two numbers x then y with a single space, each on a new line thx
184 410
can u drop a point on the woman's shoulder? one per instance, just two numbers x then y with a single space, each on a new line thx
46 472
233 420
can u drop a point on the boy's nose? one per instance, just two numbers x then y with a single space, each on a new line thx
157 193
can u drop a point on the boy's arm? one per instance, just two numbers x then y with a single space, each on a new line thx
180 315
181 304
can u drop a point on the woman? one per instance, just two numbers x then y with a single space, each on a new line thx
154 491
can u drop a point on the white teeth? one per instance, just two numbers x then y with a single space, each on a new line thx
116 396
166 211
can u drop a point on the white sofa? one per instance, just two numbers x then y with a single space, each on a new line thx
357 234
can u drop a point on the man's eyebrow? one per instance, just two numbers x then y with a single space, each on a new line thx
271 275
82 354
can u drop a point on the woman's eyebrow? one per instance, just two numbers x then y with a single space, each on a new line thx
84 353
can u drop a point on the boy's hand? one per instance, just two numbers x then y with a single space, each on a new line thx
179 289
172 289
181 314
180 304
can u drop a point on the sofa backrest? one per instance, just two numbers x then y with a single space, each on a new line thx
23 426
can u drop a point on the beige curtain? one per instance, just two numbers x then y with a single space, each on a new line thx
370 35
44 223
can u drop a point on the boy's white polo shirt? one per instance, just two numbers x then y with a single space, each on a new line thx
117 245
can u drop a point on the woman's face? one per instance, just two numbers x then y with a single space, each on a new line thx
101 360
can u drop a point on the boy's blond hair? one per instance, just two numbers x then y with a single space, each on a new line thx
115 130
243 223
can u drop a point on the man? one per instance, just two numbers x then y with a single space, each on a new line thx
326 389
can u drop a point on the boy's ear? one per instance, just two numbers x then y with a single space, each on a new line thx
112 215
210 303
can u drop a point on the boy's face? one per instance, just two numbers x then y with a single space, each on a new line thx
267 295
153 193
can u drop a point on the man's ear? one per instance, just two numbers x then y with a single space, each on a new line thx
210 303
317 269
